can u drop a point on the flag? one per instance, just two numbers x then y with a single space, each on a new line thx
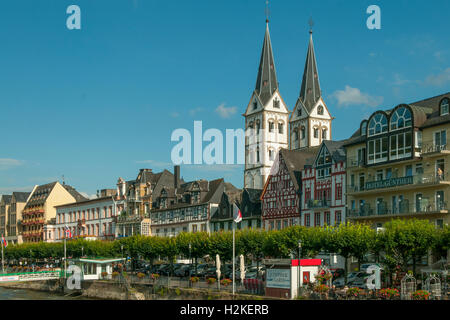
68 233
5 244
237 215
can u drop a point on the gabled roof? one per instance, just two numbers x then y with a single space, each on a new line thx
310 90
6 198
74 193
42 192
266 82
253 194
336 149
21 196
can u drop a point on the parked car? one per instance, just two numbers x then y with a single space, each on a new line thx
340 282
337 272
364 266
163 269
200 270
183 271
360 281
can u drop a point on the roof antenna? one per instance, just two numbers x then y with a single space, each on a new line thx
311 24
267 11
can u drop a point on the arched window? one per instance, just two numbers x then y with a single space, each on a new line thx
378 124
401 118
271 154
257 155
258 126
364 128
295 134
320 110
299 111
280 127
276 103
445 106
316 132
255 105
271 126
324 134
303 132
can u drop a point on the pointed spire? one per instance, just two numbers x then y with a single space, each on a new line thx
266 82
310 90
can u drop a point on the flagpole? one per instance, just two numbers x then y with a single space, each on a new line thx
234 227
65 255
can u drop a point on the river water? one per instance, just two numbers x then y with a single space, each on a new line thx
24 294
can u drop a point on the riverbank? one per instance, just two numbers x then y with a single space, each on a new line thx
109 290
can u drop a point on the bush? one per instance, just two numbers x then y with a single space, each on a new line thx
225 282
389 293
354 292
211 280
115 274
420 295
322 288
155 276
140 275
324 277
194 279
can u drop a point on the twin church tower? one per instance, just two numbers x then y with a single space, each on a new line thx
276 127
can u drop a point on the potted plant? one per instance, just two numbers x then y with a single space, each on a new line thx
389 293
211 281
140 275
420 295
322 290
195 279
354 293
155 276
225 282
104 274
115 274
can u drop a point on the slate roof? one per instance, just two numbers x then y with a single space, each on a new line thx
310 91
42 192
254 194
336 149
296 160
21 196
266 71
6 198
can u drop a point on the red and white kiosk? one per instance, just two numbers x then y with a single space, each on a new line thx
285 276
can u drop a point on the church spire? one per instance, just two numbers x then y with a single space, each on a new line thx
310 90
266 82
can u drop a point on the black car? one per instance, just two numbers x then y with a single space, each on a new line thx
163 269
183 271
201 268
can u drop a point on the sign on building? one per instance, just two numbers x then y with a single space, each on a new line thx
278 278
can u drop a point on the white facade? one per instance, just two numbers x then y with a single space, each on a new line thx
93 219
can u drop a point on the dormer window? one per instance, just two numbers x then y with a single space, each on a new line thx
320 110
276 103
265 83
299 112
445 106
255 105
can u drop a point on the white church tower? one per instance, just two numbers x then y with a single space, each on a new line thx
268 116
310 121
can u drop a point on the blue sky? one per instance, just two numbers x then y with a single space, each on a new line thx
101 102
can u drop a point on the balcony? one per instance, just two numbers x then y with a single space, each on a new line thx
312 204
433 149
383 210
397 184
356 162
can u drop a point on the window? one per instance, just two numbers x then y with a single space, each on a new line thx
401 145
440 138
378 124
271 154
408 171
316 132
280 128
444 106
379 175
320 110
324 134
327 218
338 191
276 103
316 219
303 132
338 218
299 111
440 222
401 118
255 105
271 225
364 128
388 173
296 135
278 224
378 150
419 168
194 228
307 220
271 126
257 155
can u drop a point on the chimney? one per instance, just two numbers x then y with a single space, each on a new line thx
176 176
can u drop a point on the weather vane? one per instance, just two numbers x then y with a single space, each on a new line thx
311 24
267 11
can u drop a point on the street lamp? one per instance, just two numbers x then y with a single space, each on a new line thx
299 255
190 262
121 247
82 251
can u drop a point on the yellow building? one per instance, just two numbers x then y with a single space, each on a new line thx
398 164
40 208
14 230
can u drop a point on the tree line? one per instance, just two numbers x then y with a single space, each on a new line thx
400 243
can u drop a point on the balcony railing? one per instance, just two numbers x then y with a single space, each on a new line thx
431 148
403 208
355 162
310 204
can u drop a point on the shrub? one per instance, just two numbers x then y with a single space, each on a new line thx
125 274
324 277
194 279
177 291
104 274
322 288
114 274
155 276
140 275
354 292
420 295
388 293
225 282
211 280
